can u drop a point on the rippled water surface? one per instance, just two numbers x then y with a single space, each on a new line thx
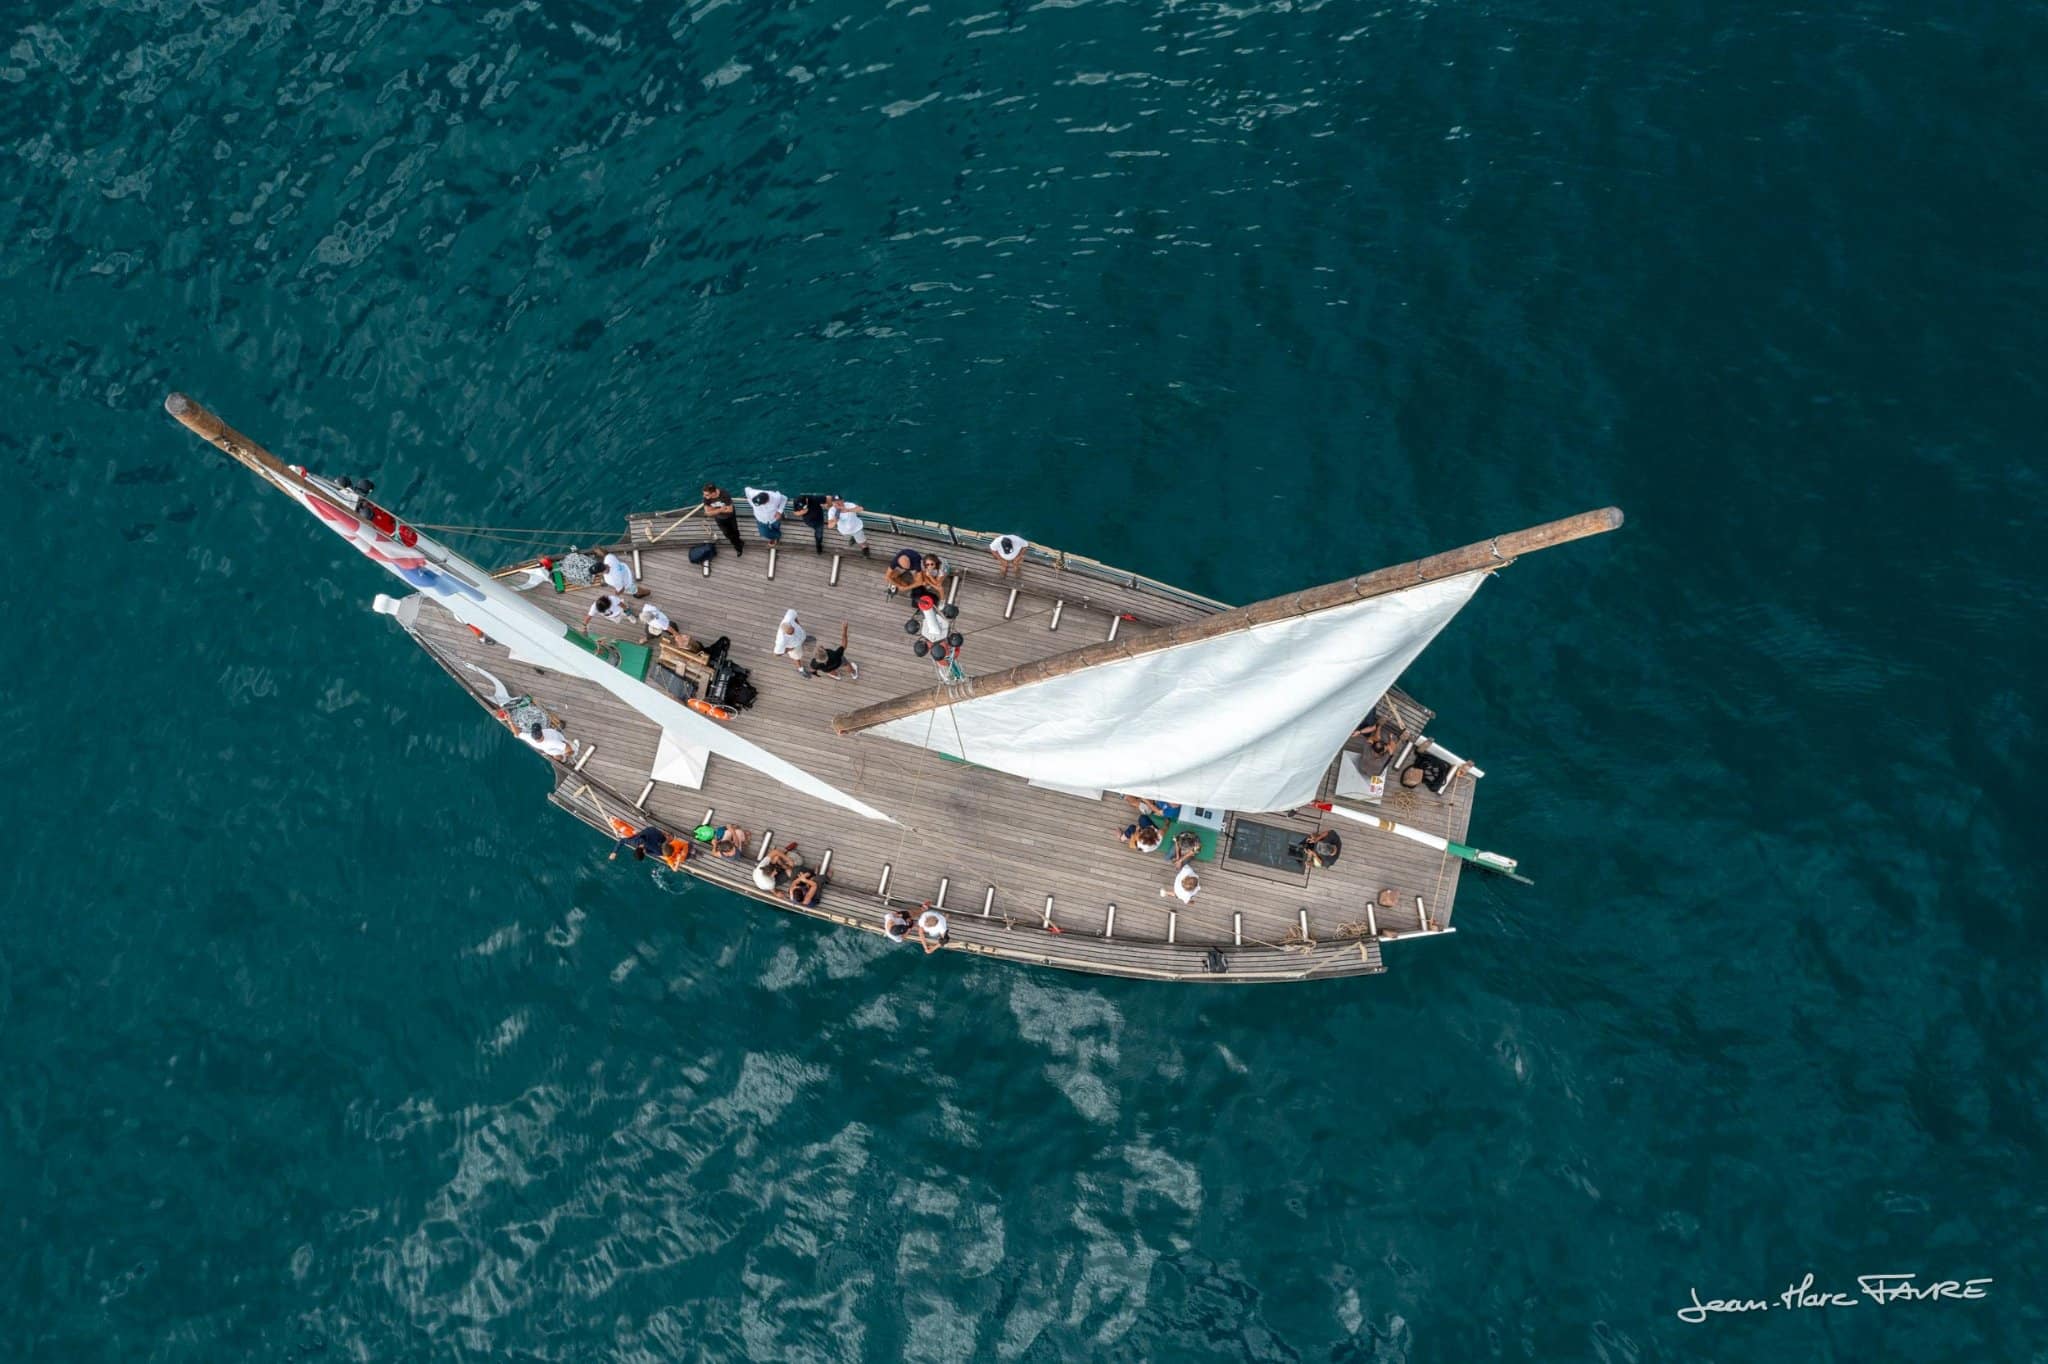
322 1036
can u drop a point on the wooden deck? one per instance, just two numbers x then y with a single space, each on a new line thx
1004 858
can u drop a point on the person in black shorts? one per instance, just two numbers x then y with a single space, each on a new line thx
830 661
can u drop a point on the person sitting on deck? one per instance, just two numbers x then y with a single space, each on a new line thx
1144 836
726 840
932 577
830 661
610 607
1164 812
932 929
897 923
1320 849
1187 846
1187 884
618 576
803 888
548 740
777 867
903 570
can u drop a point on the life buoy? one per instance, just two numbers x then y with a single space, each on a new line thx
675 854
706 708
932 923
621 828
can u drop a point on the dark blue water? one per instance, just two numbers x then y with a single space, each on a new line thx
321 1036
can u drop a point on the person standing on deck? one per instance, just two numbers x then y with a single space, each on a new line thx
768 507
810 509
657 622
790 638
618 576
830 661
611 608
846 520
1009 554
718 507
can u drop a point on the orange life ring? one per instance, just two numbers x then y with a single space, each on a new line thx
706 708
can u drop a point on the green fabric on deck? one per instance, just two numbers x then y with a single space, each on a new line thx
631 659
1203 832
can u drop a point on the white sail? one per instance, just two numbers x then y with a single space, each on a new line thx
1247 720
530 635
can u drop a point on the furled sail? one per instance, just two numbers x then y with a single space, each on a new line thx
472 596
1243 720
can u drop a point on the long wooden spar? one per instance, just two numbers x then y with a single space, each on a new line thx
1495 553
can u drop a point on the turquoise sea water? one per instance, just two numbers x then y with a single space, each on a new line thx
321 1036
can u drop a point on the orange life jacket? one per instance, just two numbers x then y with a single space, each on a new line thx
677 853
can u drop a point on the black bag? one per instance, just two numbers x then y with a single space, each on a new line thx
721 684
703 554
716 650
741 694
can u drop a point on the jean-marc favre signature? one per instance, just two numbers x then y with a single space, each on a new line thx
1872 1290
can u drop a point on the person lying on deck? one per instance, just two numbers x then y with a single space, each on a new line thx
1144 836
803 888
1165 812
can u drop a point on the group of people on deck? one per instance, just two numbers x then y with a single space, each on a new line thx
623 600
1147 834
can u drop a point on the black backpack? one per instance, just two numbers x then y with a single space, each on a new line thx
703 554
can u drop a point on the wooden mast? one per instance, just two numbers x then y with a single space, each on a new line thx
211 429
1487 554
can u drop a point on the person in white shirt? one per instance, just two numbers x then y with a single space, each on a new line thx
548 740
618 576
768 507
1009 554
1186 885
655 619
846 520
790 638
611 608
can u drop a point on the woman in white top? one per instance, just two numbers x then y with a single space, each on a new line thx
790 638
1186 886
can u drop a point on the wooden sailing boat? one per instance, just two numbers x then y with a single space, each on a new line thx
983 776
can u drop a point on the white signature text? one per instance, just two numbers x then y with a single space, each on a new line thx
1881 1289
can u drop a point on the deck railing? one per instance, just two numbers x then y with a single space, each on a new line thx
941 533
